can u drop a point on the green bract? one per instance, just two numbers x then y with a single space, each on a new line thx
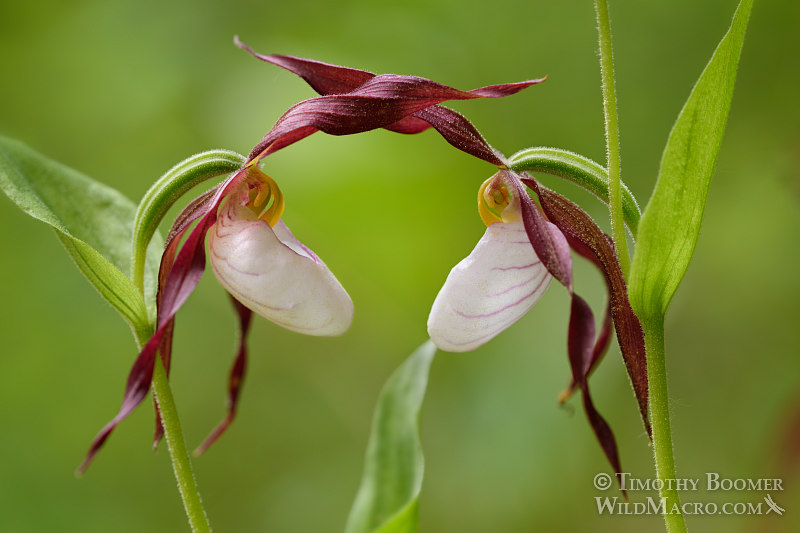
671 222
94 221
387 499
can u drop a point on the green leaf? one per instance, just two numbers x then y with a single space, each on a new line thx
92 220
387 499
670 224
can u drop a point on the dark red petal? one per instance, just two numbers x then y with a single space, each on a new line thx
546 239
588 239
580 346
136 389
600 347
410 125
379 102
235 378
328 79
324 78
460 132
176 282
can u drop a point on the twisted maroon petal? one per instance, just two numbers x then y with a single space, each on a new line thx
589 240
408 105
547 240
550 244
177 280
235 378
189 214
580 346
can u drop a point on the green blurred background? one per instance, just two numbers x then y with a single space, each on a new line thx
122 90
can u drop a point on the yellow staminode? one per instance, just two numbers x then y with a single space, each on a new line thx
266 199
493 198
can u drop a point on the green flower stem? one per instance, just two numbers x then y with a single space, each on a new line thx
181 464
152 209
612 134
579 170
659 418
165 192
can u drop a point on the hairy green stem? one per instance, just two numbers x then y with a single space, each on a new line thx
660 420
181 463
165 192
612 134
154 205
579 170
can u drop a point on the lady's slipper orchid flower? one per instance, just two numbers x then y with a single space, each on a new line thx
253 254
493 303
496 284
524 246
261 264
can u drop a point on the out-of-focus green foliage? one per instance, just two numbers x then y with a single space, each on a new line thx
388 498
123 90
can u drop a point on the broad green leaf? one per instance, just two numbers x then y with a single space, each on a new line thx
387 499
92 220
670 224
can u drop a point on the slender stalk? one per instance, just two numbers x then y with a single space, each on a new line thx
579 170
181 464
612 134
166 191
660 421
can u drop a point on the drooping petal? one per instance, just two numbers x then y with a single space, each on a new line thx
489 290
194 210
275 275
580 347
235 377
177 280
591 242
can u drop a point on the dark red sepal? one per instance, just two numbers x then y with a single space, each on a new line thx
580 346
397 112
589 240
235 378
179 280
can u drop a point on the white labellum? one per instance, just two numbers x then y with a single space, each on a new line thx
488 290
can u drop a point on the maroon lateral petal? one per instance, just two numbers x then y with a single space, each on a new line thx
600 348
460 133
136 388
551 246
179 280
547 240
580 346
589 240
235 378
